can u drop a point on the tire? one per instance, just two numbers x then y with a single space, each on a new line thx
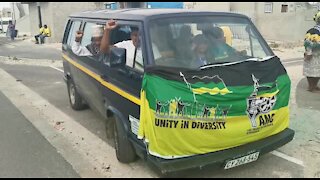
124 149
75 99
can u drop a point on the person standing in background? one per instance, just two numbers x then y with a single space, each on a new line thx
11 30
311 66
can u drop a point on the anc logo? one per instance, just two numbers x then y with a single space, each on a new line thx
260 104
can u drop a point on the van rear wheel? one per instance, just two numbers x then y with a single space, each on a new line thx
75 99
124 149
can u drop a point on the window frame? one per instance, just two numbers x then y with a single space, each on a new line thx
264 44
284 8
266 4
143 46
70 30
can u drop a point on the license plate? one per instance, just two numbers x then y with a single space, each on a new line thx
242 160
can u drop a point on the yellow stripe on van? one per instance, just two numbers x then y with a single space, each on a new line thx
103 82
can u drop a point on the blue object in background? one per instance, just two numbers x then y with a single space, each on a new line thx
178 5
112 5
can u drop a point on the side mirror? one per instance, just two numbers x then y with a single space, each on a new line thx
118 57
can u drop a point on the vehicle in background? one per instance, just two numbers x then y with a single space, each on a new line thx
4 22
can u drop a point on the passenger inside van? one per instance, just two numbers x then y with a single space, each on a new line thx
217 43
200 47
93 49
184 42
160 42
132 46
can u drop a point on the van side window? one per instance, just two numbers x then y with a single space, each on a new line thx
125 36
74 27
87 34
88 40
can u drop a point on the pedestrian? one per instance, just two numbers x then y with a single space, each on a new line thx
311 65
11 30
45 33
38 35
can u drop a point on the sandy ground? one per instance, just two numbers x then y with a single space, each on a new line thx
289 53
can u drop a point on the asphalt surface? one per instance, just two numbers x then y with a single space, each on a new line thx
24 152
49 84
27 49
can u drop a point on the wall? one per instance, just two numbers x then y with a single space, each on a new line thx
23 25
34 17
288 27
62 11
246 8
55 15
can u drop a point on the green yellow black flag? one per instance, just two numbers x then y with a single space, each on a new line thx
189 112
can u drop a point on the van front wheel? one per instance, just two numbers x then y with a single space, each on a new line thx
124 149
75 99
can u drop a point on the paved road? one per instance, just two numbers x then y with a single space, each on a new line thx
48 83
27 49
24 152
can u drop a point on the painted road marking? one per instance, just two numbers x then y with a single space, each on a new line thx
57 69
288 158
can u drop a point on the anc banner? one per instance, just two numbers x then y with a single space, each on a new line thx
185 113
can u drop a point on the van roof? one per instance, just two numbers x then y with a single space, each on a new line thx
142 14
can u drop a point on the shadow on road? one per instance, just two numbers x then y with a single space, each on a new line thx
306 99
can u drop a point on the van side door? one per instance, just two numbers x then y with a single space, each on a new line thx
91 65
72 27
129 77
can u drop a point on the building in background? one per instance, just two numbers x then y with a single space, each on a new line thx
5 17
55 14
6 12
282 21
269 17
20 15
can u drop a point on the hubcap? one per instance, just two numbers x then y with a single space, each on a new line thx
72 94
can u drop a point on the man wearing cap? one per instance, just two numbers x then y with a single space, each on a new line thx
92 49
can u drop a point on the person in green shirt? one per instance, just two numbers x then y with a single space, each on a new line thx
218 48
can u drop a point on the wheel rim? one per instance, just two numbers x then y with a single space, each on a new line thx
72 94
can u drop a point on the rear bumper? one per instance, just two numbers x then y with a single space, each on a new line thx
218 159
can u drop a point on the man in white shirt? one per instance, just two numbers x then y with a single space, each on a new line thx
133 48
92 49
